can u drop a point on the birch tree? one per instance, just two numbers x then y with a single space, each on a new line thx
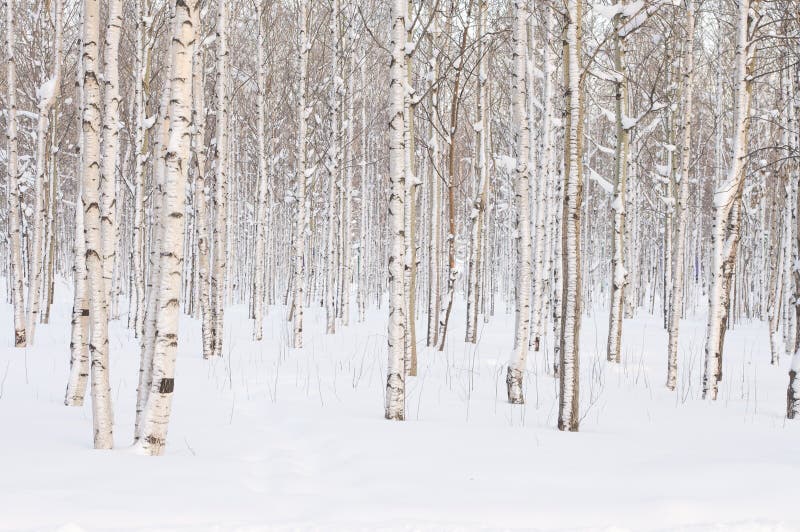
47 94
682 208
726 230
516 367
92 187
219 271
569 368
300 215
12 171
159 401
111 119
396 375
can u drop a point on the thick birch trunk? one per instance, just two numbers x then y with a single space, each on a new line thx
516 366
157 410
396 374
92 186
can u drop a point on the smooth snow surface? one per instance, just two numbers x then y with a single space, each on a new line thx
269 438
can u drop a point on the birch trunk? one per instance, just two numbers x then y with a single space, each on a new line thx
158 407
48 93
516 367
261 214
219 271
793 390
569 368
300 215
682 208
396 374
332 167
12 165
201 193
619 274
727 205
141 91
108 171
90 174
478 213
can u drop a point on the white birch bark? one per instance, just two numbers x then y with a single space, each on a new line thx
157 410
220 266
143 49
682 207
396 374
478 213
569 368
516 366
12 165
346 273
332 167
90 173
201 193
79 339
619 274
300 214
111 119
543 181
793 390
727 204
261 208
48 93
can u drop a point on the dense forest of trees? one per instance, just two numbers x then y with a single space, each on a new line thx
546 157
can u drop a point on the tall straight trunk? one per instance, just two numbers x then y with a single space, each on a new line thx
48 93
452 272
793 390
516 366
569 364
363 290
201 194
682 208
92 186
111 118
410 212
478 213
727 204
261 208
346 273
158 407
79 339
434 229
333 168
219 271
545 154
619 274
396 373
141 91
154 271
12 166
300 214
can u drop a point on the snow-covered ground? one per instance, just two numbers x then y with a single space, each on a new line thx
269 438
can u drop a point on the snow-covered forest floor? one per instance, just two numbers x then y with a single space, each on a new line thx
269 438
